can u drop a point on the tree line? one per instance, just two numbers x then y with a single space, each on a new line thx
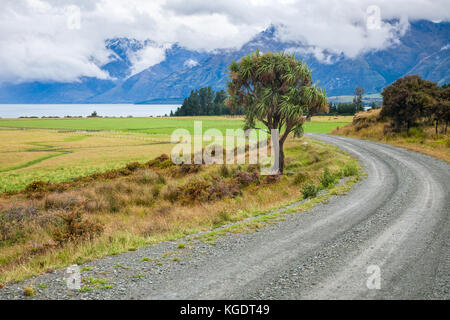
205 102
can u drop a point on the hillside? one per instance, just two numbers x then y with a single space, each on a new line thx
368 125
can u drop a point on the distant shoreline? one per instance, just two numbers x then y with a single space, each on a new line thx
75 110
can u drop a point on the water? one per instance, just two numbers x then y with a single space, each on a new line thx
105 110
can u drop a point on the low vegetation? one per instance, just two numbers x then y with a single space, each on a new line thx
369 125
63 155
415 115
51 225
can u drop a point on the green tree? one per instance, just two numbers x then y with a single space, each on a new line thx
445 98
202 102
277 90
438 108
408 100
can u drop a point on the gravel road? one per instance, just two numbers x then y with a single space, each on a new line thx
395 222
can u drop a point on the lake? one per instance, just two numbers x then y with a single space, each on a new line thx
105 110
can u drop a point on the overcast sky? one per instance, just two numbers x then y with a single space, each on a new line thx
62 40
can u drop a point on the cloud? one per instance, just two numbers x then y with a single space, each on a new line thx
54 40
148 56
190 63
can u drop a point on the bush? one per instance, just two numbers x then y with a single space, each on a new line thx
349 170
327 179
224 171
270 179
222 189
36 186
300 178
309 191
195 190
159 162
73 227
133 166
184 169
246 178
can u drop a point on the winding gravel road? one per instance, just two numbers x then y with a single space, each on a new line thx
396 219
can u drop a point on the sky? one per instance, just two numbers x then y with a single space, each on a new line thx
63 40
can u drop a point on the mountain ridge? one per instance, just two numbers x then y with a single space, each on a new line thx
423 49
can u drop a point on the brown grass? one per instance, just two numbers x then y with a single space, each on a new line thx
55 225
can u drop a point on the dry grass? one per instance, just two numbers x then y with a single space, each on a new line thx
45 228
366 125
66 155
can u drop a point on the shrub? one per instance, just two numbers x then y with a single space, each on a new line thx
327 179
133 166
300 178
224 171
253 168
349 170
36 186
157 162
309 191
184 169
221 189
73 227
195 190
246 178
166 164
270 179
28 292
124 172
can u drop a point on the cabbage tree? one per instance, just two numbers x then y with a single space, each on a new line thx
277 90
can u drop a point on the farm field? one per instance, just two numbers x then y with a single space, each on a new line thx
323 124
56 150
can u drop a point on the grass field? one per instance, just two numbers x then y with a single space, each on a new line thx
55 150
158 125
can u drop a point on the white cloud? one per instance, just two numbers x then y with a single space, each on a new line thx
190 63
43 40
148 56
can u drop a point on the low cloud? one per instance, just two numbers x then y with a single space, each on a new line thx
52 40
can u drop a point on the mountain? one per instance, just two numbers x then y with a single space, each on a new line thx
424 49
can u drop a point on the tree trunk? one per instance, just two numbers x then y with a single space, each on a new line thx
281 161
436 127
